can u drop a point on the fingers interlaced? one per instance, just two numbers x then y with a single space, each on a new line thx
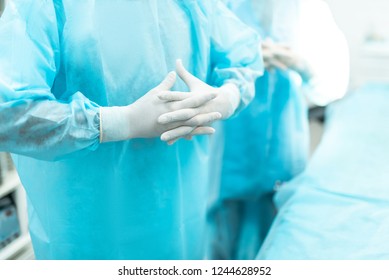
176 116
176 133
195 132
189 116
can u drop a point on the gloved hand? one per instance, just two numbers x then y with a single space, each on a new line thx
226 101
292 60
139 120
269 59
283 57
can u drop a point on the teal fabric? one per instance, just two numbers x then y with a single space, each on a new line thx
266 145
339 207
274 133
59 62
276 19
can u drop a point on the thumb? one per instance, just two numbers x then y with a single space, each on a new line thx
168 82
185 75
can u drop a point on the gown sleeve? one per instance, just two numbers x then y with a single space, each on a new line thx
33 121
236 55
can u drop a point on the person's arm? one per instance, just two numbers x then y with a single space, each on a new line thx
33 122
284 57
235 63
236 56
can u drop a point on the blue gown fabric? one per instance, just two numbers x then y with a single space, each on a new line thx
264 146
59 62
339 207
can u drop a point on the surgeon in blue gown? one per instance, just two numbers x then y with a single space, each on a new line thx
268 143
86 107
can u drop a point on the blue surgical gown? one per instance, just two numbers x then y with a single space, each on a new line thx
59 62
264 146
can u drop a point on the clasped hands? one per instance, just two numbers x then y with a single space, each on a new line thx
172 115
193 112
283 57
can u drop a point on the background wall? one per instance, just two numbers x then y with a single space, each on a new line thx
365 24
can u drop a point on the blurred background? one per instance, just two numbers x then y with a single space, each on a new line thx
365 25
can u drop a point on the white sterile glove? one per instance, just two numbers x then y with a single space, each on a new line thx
139 120
269 59
283 57
226 102
292 60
